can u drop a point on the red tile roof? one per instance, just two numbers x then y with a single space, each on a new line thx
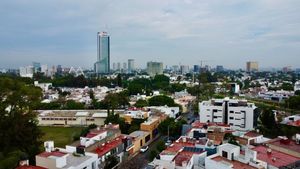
30 167
94 133
294 123
275 158
101 150
252 134
184 156
179 144
236 164
53 153
286 144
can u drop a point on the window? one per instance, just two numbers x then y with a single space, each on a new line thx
231 112
231 118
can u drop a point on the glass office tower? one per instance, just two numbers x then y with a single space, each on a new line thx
102 66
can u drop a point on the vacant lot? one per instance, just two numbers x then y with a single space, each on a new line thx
60 135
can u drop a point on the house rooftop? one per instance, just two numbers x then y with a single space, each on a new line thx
30 167
138 133
52 154
183 156
252 134
235 164
109 145
285 143
275 158
94 133
198 124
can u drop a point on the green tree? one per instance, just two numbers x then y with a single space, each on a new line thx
141 103
175 128
161 100
160 146
160 82
153 154
18 120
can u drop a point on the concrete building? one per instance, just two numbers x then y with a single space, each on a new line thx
103 53
26 71
71 117
36 67
184 153
239 114
131 67
219 68
184 69
196 68
140 139
251 66
154 68
229 157
59 158
297 86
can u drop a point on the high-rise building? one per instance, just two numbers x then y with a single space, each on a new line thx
26 71
184 69
219 68
130 65
118 66
196 68
154 68
114 66
124 66
36 67
103 53
252 66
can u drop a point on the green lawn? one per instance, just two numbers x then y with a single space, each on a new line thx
60 135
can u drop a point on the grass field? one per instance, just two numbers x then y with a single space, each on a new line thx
60 135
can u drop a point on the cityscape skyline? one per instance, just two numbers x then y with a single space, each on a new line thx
227 34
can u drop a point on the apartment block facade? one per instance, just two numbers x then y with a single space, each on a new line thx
239 114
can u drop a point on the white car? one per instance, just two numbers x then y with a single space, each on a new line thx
144 149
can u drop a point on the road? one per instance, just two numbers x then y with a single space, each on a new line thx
146 155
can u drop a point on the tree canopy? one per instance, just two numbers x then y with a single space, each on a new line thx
18 123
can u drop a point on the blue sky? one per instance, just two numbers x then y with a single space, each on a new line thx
225 32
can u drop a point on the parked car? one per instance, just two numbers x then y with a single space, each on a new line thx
144 149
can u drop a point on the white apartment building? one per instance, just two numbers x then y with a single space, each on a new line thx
56 158
239 114
229 157
297 86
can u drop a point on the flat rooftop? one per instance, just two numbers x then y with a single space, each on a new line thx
235 164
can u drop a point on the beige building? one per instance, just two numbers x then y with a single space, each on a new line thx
72 117
154 68
251 66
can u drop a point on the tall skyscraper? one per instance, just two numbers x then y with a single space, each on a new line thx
252 66
154 68
130 65
124 66
219 68
36 67
119 66
196 68
103 53
184 69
